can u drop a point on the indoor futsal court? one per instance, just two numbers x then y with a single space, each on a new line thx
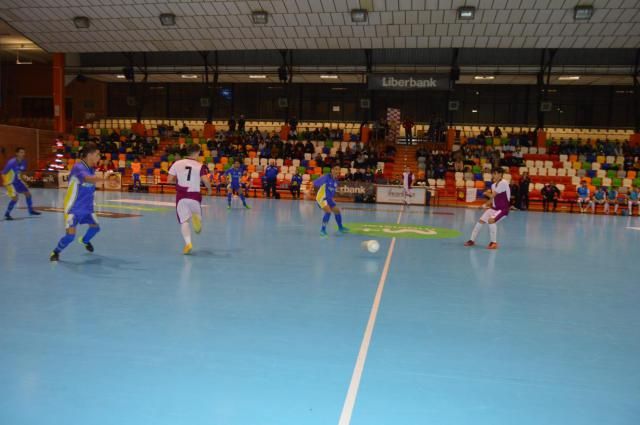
540 332
319 212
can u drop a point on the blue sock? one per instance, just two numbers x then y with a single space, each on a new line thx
64 241
325 220
242 199
12 204
91 232
29 203
339 220
229 195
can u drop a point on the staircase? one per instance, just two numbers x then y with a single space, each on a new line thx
405 157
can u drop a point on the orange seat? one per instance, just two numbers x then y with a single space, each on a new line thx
480 184
252 154
631 174
313 163
224 160
122 157
251 168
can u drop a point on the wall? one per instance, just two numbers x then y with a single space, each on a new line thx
574 106
36 142
89 100
35 81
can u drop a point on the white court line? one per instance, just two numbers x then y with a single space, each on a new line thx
352 393
143 202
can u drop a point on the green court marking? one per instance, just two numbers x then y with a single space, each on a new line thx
133 207
407 231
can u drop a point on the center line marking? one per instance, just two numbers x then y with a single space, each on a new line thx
352 392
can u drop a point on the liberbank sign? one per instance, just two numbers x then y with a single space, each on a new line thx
408 82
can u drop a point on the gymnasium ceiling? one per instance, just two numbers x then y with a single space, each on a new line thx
133 25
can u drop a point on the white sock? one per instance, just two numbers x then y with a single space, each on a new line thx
185 229
476 230
606 208
493 232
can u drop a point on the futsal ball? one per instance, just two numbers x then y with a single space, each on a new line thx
372 246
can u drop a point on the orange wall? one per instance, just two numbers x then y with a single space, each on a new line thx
18 81
11 137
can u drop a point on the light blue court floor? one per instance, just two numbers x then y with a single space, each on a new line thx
265 323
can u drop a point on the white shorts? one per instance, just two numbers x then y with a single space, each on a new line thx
187 208
583 200
490 213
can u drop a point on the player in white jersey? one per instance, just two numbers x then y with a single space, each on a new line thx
497 208
187 174
407 184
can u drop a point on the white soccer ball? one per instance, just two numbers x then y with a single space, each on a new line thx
372 246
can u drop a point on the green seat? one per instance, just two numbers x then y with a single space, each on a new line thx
227 166
328 144
616 182
314 177
611 174
188 140
326 170
636 182
586 166
208 160
302 170
596 181
477 169
171 158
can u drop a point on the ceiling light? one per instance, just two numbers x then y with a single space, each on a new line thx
121 76
569 77
168 19
582 13
81 22
329 77
474 111
359 15
257 76
484 77
260 17
338 88
466 12
189 76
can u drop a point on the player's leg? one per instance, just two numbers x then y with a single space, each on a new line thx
13 200
196 215
184 212
606 207
476 229
229 196
69 236
93 230
338 216
242 198
630 207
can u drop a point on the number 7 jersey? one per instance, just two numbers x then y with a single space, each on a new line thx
188 173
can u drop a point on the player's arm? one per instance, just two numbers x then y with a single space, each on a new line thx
171 178
207 183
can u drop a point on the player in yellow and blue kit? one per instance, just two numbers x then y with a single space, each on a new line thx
78 202
14 184
326 187
234 176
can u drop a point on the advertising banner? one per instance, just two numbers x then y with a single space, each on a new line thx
395 195
351 189
408 82
63 179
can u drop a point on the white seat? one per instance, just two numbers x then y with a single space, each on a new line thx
306 177
486 177
530 163
575 180
595 166
307 156
539 164
606 181
571 172
459 175
296 162
564 158
552 172
533 150
561 172
533 171
279 162
548 164
460 183
538 186
542 171
627 182
542 151
560 187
